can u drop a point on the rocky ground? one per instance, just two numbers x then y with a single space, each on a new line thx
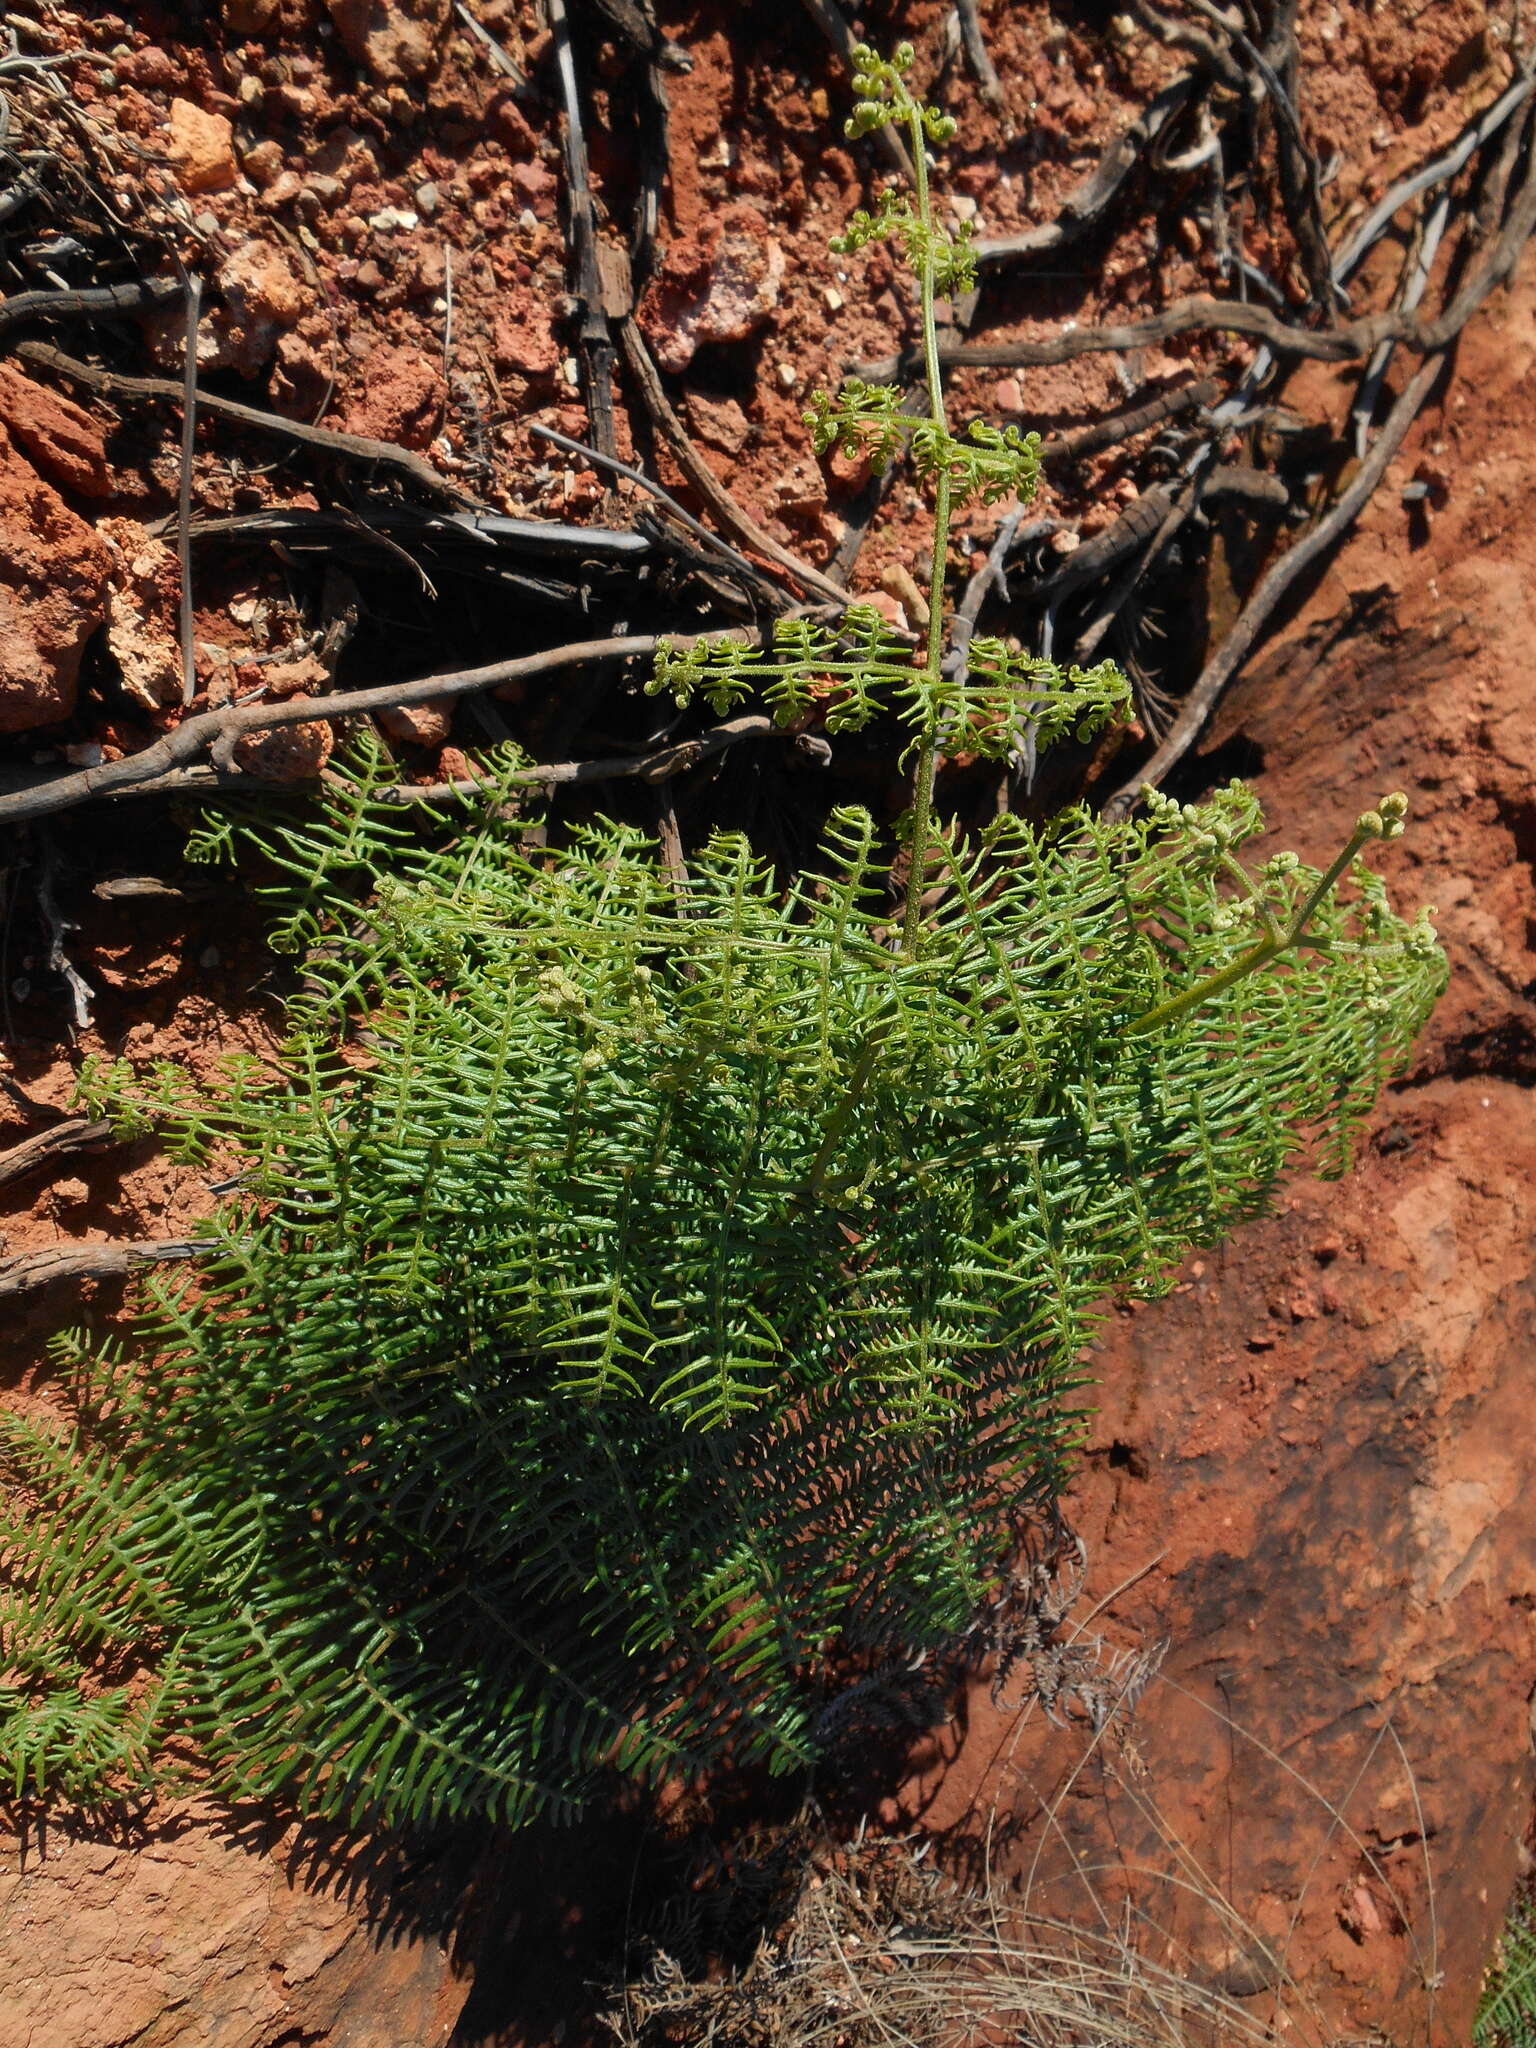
1306 1468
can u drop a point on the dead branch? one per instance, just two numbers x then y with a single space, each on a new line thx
1223 665
90 302
221 729
1300 182
148 772
596 341
684 517
1083 206
733 517
1077 442
51 1147
28 1272
977 56
194 291
327 440
656 767
1213 56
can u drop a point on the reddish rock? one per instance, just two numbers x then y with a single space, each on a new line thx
306 676
400 398
286 753
534 187
153 68
720 285
801 488
263 298
143 613
506 121
393 40
193 1933
1344 1563
301 379
61 438
419 725
53 586
524 334
202 147
889 607
719 422
263 163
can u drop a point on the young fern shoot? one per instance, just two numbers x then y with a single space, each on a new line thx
986 704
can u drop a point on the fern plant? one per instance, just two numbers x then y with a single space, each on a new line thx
639 1288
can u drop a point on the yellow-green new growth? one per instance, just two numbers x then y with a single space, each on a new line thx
860 668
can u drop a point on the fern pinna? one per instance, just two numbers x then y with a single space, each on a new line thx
642 1284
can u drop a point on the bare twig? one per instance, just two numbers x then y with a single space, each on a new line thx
327 440
1077 442
1300 183
57 926
733 517
656 767
1083 206
194 291
1212 56
28 1272
500 61
1228 658
596 341
220 729
659 766
447 312
685 518
1435 172
1347 342
50 1147
990 85
1416 281
89 302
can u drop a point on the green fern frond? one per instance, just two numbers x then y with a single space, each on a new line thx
680 1287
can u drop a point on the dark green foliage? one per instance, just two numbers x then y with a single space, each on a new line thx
635 1296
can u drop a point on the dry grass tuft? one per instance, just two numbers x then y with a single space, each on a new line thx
876 1951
